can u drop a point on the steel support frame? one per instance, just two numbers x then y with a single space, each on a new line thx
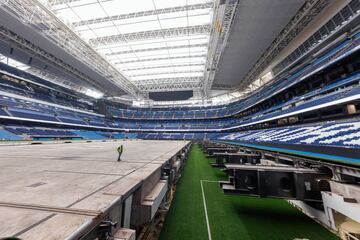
59 2
41 19
182 31
30 48
152 34
157 49
162 73
161 58
164 66
205 5
222 20
170 84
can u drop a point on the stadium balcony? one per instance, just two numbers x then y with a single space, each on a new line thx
329 100
15 81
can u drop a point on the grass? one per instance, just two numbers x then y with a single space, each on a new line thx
231 216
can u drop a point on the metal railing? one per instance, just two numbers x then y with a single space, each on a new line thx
349 12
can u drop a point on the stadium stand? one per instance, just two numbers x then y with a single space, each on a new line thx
89 134
20 104
5 135
338 134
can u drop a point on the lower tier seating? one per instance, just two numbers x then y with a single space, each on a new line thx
5 135
333 134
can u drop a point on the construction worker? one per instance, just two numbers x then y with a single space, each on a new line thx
120 151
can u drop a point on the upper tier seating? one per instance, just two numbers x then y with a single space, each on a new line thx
55 94
345 48
316 103
26 109
319 98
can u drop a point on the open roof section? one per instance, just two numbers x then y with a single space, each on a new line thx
155 43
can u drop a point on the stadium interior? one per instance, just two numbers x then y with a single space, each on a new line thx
181 119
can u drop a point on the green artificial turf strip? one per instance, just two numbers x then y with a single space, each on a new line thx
231 216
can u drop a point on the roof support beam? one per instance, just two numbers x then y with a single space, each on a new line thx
170 84
38 17
161 58
144 13
152 34
59 2
18 41
222 20
169 80
168 72
157 49
169 87
165 66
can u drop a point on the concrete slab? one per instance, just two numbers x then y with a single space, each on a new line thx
70 176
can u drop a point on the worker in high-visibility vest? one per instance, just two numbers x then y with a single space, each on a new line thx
120 151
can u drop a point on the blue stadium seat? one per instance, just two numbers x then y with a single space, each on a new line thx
5 135
335 134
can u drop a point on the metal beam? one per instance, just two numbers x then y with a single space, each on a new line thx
220 86
223 18
157 49
165 54
38 17
161 73
202 38
59 2
170 84
161 58
144 13
169 87
164 66
153 34
169 80
21 43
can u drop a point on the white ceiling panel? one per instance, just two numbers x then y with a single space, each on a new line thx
155 48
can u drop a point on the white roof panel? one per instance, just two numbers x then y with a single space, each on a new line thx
155 49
